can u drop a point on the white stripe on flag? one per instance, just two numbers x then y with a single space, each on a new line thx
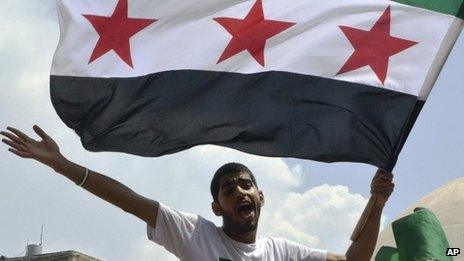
186 37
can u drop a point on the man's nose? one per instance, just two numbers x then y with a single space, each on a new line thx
240 192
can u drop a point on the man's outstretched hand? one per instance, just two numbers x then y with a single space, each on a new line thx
382 185
106 188
45 151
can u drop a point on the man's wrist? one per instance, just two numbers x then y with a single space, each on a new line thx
59 164
379 202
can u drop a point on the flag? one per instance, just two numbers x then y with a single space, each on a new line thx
326 80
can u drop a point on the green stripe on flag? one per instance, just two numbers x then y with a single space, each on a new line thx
451 7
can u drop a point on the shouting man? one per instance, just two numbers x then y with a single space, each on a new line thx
236 198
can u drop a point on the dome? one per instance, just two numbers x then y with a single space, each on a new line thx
447 203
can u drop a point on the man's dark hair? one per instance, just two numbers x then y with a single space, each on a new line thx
227 169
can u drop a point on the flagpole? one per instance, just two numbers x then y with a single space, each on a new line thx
370 204
363 219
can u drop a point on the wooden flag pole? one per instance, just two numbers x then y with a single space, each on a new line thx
363 219
370 204
366 212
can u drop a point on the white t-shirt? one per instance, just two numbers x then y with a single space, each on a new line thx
191 237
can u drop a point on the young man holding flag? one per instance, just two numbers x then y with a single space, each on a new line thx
236 198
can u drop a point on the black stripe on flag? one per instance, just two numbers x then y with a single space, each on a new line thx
271 113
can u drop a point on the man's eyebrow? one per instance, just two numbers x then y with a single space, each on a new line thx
236 179
228 183
225 185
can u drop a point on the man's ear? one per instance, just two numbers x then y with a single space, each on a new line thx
261 198
216 208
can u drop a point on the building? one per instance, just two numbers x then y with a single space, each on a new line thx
34 253
447 203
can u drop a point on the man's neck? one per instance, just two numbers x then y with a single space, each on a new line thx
247 237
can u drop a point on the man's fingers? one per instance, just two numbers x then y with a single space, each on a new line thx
381 181
14 145
382 192
20 153
18 133
40 132
383 174
12 137
382 189
382 177
383 185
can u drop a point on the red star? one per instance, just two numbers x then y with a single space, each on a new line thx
373 47
115 31
250 33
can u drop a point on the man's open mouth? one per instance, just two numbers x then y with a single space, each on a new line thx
246 210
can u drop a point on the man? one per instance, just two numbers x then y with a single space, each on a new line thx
236 198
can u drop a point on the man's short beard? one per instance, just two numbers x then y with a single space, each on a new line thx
246 227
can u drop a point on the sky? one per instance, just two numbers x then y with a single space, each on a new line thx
316 204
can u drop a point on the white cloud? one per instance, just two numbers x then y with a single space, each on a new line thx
33 84
323 216
142 249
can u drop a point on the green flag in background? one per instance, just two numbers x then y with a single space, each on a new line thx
418 237
387 253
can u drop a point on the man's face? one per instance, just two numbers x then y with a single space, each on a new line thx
239 201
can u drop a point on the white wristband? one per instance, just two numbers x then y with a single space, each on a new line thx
86 175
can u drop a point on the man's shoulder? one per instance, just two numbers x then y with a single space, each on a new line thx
195 220
206 222
289 248
168 211
274 241
280 242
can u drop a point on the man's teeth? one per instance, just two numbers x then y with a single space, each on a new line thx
245 207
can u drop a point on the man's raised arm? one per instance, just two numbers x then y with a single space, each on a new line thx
363 247
47 152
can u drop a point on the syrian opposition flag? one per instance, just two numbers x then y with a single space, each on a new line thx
327 80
